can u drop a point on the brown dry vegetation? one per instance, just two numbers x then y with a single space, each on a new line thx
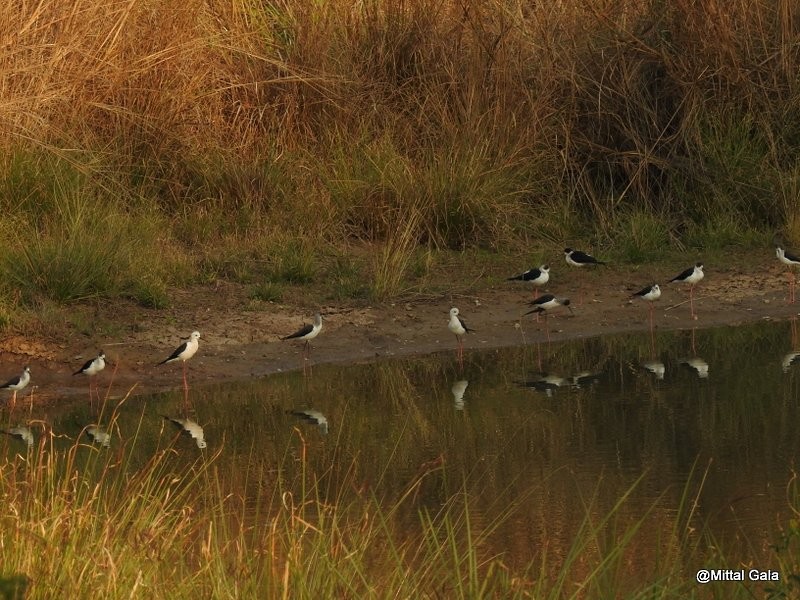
146 145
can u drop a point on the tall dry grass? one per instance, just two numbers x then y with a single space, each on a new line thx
509 124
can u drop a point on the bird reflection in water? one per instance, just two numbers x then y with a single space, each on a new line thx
21 432
190 428
458 389
99 435
656 367
314 417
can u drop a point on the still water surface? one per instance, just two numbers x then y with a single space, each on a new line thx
542 434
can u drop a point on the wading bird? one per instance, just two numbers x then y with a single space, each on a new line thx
692 276
17 383
792 261
307 333
459 328
536 277
183 353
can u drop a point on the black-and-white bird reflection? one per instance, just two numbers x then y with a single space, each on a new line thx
99 435
458 389
546 383
698 365
190 428
21 432
790 359
656 367
310 415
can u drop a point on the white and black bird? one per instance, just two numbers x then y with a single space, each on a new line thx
459 328
792 261
536 277
17 383
651 293
546 304
692 276
307 333
190 428
576 258
92 366
183 353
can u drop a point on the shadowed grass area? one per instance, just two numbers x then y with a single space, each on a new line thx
84 519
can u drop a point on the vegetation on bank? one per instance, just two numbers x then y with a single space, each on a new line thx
145 145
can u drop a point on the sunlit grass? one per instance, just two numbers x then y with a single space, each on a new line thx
249 143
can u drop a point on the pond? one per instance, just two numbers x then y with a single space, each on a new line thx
685 433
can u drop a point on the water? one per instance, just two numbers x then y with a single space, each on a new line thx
542 435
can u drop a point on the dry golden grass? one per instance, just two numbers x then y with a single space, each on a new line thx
501 122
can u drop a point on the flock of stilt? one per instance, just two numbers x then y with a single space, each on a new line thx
546 303
181 354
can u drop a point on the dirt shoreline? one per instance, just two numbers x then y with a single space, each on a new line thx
240 341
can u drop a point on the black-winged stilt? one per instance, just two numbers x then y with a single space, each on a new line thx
92 367
792 261
692 276
190 428
576 258
183 353
307 333
651 293
545 304
459 328
536 277
17 383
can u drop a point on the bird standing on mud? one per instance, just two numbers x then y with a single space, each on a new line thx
91 368
576 258
792 261
307 333
183 353
459 328
17 383
692 276
536 277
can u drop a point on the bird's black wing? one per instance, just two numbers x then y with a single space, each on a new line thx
582 257
541 300
528 275
178 351
464 325
85 366
305 330
11 382
682 275
643 291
